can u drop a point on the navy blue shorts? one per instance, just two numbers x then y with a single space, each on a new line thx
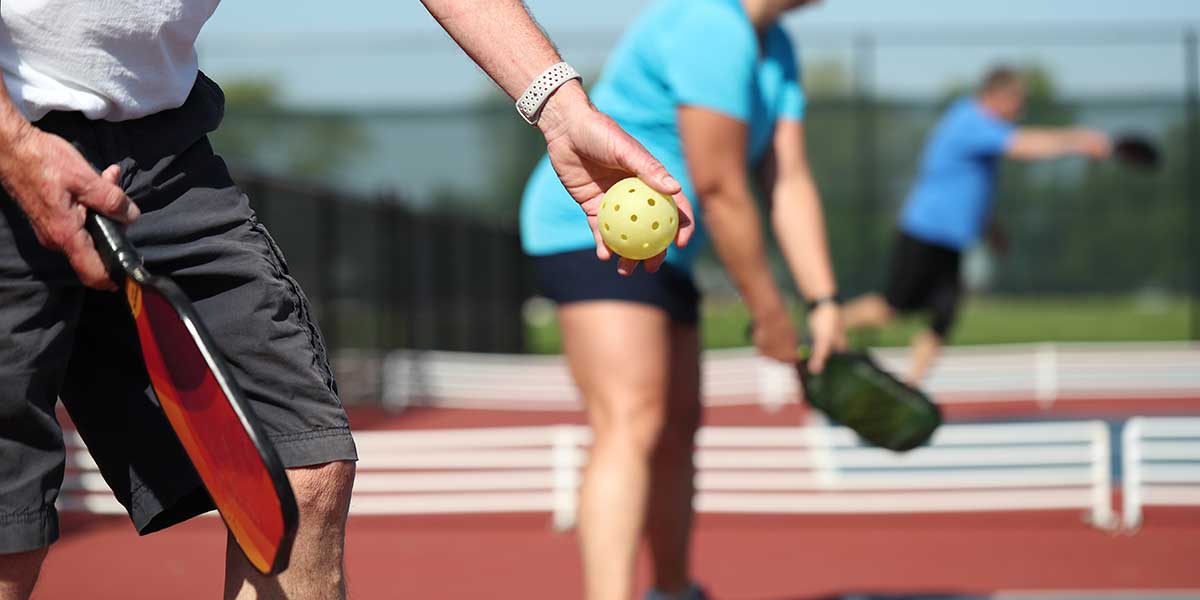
579 276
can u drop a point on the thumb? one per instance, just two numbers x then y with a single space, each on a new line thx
634 158
821 348
106 197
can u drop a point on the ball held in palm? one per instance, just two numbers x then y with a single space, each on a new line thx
637 222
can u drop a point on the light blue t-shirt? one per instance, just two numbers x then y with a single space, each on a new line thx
702 53
951 200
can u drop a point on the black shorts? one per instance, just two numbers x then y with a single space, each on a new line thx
579 276
60 340
925 276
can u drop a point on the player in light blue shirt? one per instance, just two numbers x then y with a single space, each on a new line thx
950 206
711 88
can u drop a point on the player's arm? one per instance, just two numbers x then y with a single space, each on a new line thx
1041 143
55 186
589 151
799 225
714 145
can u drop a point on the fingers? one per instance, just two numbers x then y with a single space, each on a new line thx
822 346
84 259
687 221
626 267
104 196
602 251
634 158
653 264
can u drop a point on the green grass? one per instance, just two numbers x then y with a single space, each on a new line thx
984 320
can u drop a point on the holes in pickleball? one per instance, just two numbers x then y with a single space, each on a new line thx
671 221
654 226
632 191
624 238
607 228
650 201
645 244
633 218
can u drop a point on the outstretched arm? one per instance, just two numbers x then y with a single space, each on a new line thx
589 151
1040 143
799 225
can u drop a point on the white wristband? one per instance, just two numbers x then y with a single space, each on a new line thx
534 99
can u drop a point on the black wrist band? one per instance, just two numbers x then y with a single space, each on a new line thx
831 299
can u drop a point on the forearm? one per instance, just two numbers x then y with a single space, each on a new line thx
799 225
1039 143
12 125
500 36
736 231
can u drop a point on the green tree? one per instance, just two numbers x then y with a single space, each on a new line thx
259 132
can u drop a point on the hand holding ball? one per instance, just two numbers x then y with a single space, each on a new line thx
637 222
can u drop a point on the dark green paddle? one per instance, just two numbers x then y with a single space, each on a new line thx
855 392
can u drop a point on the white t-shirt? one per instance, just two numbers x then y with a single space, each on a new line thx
109 59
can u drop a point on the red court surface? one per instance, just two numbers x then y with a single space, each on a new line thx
741 558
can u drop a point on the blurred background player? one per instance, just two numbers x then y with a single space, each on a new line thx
950 207
711 88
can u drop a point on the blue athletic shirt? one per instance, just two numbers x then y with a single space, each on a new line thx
950 202
702 53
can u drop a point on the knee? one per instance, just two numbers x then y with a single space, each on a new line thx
19 572
633 422
323 491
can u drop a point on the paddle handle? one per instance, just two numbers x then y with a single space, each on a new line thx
119 255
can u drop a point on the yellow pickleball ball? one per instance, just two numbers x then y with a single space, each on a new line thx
637 222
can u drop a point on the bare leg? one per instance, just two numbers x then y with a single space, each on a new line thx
672 485
618 353
871 311
19 573
316 570
926 346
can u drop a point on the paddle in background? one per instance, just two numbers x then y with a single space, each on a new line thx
1137 151
857 393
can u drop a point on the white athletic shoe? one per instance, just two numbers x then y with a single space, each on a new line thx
694 592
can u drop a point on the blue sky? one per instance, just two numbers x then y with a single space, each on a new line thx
384 53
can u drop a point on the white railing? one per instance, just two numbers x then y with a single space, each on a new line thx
1160 465
1004 467
1045 373
994 467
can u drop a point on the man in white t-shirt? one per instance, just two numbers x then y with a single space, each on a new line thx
103 108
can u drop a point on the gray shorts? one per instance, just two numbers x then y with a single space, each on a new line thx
60 340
